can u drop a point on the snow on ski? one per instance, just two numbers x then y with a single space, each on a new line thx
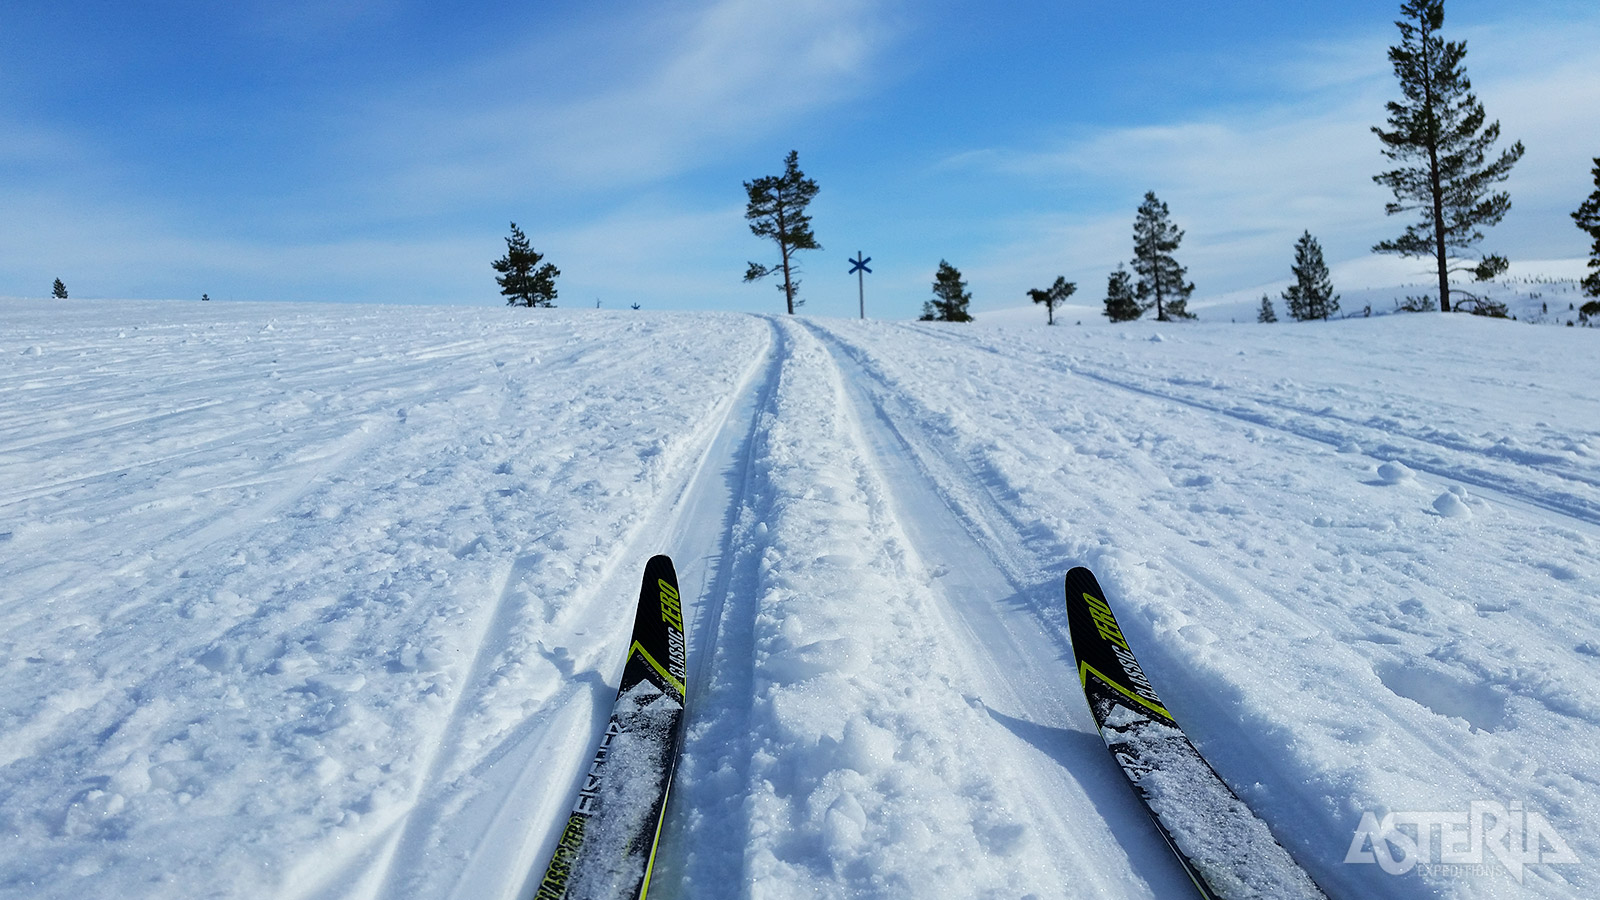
607 848
1227 851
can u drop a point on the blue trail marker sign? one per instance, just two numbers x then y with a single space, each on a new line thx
857 266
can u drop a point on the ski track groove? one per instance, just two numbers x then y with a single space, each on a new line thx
1047 727
988 509
717 735
645 537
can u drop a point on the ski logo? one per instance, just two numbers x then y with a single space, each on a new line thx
672 614
1139 688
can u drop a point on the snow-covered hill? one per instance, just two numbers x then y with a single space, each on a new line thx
325 601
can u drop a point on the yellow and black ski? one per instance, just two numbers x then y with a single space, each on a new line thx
608 848
1226 850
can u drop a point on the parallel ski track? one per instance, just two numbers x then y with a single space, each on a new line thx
992 595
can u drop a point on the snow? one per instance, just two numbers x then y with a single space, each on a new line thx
324 601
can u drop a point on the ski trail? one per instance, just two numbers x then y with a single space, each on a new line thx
499 810
1022 674
702 842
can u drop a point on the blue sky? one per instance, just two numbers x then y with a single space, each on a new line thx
376 150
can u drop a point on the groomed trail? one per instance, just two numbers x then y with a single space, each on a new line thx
326 602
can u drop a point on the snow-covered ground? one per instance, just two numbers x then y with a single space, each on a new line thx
325 601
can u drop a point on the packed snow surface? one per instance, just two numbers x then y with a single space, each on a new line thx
331 602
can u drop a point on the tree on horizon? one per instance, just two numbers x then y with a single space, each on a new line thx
950 297
1161 280
777 210
1311 296
58 290
1438 135
1588 219
522 280
1121 304
1053 296
1267 313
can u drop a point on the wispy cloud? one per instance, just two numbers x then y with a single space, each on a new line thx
710 76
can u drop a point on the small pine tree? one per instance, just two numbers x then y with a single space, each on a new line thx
205 298
1121 304
1160 277
950 297
58 290
1267 314
1588 219
1053 296
1438 133
1311 296
523 282
777 210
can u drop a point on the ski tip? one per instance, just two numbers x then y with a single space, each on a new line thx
1082 575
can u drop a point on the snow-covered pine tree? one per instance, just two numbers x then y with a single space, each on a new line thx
1160 277
1311 296
1588 218
950 297
1121 304
523 282
777 210
58 290
1053 296
1267 314
1438 135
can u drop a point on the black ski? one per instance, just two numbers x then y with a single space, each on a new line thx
1227 851
608 848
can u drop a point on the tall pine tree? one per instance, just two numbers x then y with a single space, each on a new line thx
1053 296
1161 281
523 282
950 297
1311 296
58 290
777 210
1439 136
1588 218
1121 304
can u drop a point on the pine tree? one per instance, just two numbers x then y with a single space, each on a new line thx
1311 296
1267 314
1438 135
1053 296
777 210
1160 277
1121 304
950 297
1588 219
523 282
58 290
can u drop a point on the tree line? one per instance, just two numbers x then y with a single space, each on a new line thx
1446 175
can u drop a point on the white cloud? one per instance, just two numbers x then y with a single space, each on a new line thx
707 76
